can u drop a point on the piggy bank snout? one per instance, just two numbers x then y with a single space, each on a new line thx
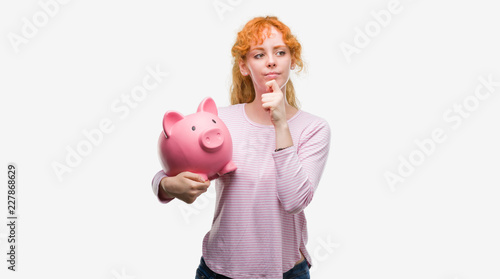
211 140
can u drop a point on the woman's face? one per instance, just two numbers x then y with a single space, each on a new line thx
268 61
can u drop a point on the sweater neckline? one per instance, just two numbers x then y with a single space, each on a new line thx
262 125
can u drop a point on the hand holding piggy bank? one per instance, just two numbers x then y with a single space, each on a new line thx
198 143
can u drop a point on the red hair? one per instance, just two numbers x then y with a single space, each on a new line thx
242 90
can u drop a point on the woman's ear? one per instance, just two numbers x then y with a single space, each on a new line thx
243 67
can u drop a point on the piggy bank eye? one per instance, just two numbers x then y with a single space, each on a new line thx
193 128
213 121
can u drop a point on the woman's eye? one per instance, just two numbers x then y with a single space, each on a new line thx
281 53
258 55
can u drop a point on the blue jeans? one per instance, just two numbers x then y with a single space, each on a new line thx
300 271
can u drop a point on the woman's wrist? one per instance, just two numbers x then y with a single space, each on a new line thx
283 125
283 136
162 192
281 148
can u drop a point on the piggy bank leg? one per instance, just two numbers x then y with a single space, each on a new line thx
229 167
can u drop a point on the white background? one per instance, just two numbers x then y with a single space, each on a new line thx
101 220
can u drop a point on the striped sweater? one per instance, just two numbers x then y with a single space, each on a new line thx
259 227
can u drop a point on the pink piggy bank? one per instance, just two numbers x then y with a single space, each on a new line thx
198 143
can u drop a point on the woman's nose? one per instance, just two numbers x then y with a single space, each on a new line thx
271 62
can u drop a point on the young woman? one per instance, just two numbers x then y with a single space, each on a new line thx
259 228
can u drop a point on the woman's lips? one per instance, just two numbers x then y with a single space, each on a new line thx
272 75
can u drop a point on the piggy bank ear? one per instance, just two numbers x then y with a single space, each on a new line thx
208 105
169 119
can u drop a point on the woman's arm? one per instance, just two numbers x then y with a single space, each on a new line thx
186 186
299 168
274 102
158 190
283 136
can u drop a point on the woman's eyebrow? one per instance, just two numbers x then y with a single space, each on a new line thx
260 48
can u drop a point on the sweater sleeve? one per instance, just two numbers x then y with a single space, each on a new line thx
299 168
156 185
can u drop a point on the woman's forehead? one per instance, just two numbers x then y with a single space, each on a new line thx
268 33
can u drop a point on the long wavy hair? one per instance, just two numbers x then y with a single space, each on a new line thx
242 90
